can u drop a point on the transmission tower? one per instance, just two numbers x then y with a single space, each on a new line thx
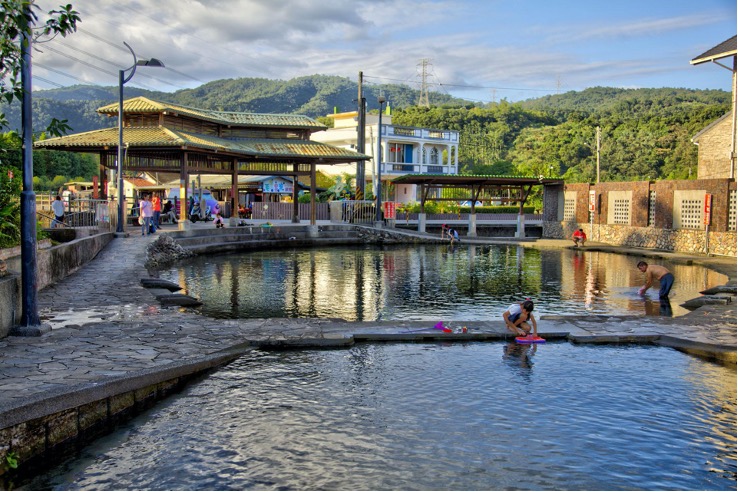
423 99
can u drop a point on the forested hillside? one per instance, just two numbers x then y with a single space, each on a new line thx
645 133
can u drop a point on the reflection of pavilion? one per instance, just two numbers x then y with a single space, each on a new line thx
166 138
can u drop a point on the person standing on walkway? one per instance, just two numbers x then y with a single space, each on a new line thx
156 204
147 213
660 273
58 208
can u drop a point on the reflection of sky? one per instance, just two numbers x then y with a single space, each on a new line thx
428 283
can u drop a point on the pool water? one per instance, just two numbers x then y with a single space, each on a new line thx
427 282
473 416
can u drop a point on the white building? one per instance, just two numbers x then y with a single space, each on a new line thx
406 150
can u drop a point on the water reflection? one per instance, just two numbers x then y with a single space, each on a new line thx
462 282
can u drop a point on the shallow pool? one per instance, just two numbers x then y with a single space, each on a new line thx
428 282
475 416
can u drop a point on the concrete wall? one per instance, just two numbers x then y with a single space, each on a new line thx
53 264
10 303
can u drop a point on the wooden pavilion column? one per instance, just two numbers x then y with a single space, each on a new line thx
104 175
233 219
295 204
312 194
182 225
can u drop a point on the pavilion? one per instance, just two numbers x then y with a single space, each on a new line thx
456 187
168 138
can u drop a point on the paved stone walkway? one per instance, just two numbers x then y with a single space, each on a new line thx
105 325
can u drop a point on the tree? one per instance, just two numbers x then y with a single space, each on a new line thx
18 19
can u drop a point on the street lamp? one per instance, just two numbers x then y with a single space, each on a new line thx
122 79
381 101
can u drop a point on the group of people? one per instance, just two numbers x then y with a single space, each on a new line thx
151 212
519 317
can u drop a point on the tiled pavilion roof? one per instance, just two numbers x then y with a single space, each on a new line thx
148 137
142 105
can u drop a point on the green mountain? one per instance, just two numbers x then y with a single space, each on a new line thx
314 96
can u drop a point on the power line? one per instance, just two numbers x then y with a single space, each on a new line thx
469 86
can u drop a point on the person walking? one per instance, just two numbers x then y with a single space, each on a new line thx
658 272
147 213
57 206
156 205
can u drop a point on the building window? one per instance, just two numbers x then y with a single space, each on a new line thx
731 211
396 153
570 207
651 208
434 156
621 212
691 214
425 156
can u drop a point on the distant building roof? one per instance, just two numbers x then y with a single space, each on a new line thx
724 49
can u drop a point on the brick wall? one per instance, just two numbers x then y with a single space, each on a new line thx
639 233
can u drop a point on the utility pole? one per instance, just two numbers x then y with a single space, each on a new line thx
598 155
361 140
30 322
423 99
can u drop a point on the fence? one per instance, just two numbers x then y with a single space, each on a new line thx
81 212
353 211
284 211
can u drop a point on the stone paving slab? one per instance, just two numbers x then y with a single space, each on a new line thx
107 326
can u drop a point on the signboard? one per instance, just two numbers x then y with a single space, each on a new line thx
389 210
708 208
592 200
276 186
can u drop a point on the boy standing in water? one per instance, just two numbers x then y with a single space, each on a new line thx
517 316
664 276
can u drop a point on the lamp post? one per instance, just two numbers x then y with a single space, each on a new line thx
122 79
381 101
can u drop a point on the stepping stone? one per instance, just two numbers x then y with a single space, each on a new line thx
720 289
157 283
179 300
705 300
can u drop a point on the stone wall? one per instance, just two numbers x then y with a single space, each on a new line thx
713 151
682 240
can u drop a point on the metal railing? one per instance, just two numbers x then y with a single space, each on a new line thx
353 211
80 212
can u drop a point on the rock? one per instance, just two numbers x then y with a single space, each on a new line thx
165 251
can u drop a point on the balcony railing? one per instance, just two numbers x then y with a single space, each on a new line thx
416 168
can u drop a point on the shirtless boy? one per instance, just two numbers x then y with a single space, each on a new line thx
664 276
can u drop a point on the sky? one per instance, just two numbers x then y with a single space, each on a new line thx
479 50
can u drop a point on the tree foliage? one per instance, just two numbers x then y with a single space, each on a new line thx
18 21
